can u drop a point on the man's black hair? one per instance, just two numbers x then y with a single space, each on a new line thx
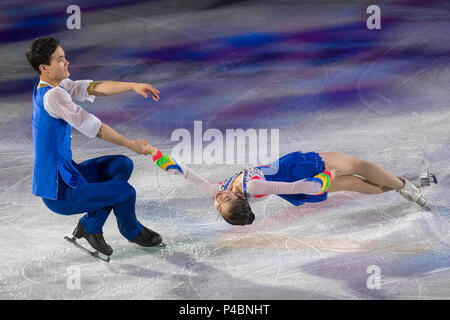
40 51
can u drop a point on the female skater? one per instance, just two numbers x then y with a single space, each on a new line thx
296 177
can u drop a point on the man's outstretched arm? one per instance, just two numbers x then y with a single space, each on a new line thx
108 88
109 134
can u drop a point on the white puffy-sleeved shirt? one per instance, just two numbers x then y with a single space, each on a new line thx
59 103
254 184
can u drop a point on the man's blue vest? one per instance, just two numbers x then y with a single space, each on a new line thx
52 153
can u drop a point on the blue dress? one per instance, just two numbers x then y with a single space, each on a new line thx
292 167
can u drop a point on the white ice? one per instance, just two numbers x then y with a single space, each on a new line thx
312 71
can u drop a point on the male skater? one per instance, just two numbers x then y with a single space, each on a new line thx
95 186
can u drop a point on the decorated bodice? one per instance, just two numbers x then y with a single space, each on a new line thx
248 175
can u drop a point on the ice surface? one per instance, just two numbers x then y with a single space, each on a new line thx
313 71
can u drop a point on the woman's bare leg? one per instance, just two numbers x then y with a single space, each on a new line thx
346 165
356 184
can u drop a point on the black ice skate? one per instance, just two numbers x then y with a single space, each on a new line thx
95 240
147 238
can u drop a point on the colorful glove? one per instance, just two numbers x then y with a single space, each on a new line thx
167 163
324 178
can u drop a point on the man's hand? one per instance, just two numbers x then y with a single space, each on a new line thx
140 147
144 89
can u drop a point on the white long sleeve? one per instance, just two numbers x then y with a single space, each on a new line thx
78 89
58 103
207 187
259 186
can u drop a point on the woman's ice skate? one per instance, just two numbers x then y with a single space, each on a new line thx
411 192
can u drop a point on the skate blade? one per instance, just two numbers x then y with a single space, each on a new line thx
161 245
94 254
428 179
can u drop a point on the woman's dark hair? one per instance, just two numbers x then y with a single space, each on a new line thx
40 52
241 213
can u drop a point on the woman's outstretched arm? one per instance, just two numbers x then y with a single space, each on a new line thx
312 186
167 163
275 187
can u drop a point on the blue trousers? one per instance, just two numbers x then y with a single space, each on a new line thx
107 189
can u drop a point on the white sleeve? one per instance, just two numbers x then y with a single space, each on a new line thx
207 187
59 104
78 89
274 187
